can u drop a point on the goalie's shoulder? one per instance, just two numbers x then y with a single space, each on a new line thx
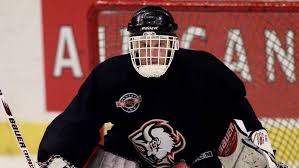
198 57
211 70
205 62
113 63
113 69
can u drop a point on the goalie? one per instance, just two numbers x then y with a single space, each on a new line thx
170 107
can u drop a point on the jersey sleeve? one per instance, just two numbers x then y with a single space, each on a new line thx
230 92
74 133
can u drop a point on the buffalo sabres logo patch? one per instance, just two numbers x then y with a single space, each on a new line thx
157 142
129 102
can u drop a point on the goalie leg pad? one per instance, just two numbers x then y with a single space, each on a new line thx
104 159
231 145
253 156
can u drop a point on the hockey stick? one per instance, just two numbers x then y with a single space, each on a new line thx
16 131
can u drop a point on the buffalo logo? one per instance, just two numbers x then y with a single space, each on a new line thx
158 142
129 102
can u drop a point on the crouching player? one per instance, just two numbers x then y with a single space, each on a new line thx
170 107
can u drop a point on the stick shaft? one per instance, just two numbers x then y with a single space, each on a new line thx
16 131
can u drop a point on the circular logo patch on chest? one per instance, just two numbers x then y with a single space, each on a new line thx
129 102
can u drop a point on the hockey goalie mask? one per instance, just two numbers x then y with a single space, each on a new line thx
152 41
152 54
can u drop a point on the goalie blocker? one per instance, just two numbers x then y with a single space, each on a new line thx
242 149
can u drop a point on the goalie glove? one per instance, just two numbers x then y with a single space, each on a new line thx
243 149
56 161
101 159
270 160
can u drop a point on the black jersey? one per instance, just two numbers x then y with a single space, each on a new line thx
157 121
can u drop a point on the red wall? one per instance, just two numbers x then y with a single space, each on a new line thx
278 98
55 15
